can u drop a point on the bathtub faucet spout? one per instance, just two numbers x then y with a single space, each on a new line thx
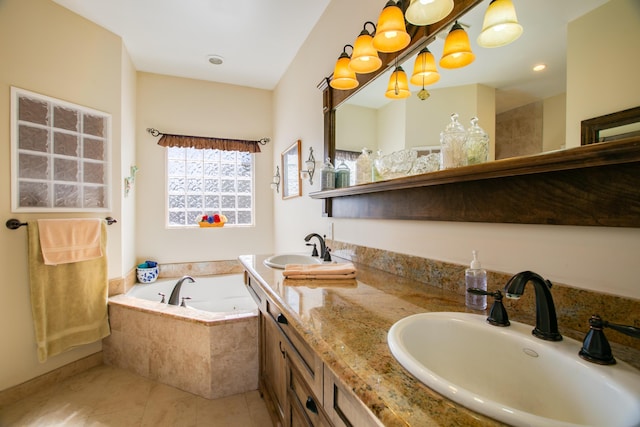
174 299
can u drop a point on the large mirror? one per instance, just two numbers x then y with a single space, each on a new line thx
522 110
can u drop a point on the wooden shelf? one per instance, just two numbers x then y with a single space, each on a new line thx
596 185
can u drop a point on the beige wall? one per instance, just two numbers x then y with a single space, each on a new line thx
602 64
554 119
586 257
48 50
355 138
193 107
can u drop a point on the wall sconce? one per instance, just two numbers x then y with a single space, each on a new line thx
344 78
310 165
425 12
391 31
364 58
500 26
275 184
457 49
398 87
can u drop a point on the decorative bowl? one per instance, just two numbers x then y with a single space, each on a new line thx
147 275
211 224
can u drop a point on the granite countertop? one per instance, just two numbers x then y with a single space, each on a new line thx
347 326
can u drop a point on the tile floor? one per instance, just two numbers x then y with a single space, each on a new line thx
112 397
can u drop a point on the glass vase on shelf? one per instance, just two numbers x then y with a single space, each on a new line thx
363 167
453 144
328 176
342 175
477 144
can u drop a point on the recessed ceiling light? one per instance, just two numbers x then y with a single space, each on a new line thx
539 67
215 59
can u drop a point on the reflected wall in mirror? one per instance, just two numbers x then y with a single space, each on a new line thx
291 183
524 112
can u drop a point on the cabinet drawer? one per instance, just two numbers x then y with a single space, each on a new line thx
305 408
302 356
343 407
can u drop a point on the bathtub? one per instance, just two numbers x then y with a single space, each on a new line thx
209 348
217 294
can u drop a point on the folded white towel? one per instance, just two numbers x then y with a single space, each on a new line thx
65 241
320 271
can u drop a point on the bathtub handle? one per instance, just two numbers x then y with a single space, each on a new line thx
162 301
282 319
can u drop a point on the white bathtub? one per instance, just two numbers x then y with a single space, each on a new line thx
209 349
217 294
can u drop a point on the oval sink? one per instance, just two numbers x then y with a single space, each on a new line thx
511 376
280 260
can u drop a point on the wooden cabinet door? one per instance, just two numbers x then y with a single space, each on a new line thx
274 366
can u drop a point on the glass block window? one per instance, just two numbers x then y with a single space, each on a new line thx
206 182
60 155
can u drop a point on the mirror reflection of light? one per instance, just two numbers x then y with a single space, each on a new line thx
539 67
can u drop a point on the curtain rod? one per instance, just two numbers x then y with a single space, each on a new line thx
156 132
14 224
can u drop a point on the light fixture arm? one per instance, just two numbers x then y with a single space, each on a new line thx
310 163
275 184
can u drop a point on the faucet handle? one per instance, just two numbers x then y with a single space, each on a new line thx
183 303
327 254
595 347
315 249
162 301
498 314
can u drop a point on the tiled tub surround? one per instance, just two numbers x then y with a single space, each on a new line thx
347 328
209 354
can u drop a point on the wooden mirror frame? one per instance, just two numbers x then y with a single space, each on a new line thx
291 160
594 185
590 129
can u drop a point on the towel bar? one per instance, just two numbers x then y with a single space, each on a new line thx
14 224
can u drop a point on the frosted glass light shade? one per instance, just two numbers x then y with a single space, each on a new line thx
457 50
500 26
344 78
364 58
398 87
425 12
424 69
391 31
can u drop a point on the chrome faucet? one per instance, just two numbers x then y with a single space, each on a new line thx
546 321
323 246
174 299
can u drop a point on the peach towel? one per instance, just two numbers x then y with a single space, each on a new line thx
69 240
345 270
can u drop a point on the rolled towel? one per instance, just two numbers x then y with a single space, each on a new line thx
320 271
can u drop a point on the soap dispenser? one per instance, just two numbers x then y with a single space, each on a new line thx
475 277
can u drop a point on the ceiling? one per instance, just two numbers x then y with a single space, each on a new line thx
258 39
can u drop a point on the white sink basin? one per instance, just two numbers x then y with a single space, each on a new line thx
511 376
279 261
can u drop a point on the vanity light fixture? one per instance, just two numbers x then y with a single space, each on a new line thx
391 31
398 87
275 184
500 26
364 58
310 165
344 78
457 49
424 69
425 12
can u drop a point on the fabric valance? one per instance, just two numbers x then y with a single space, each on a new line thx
212 143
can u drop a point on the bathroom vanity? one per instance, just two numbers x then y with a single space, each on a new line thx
324 358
